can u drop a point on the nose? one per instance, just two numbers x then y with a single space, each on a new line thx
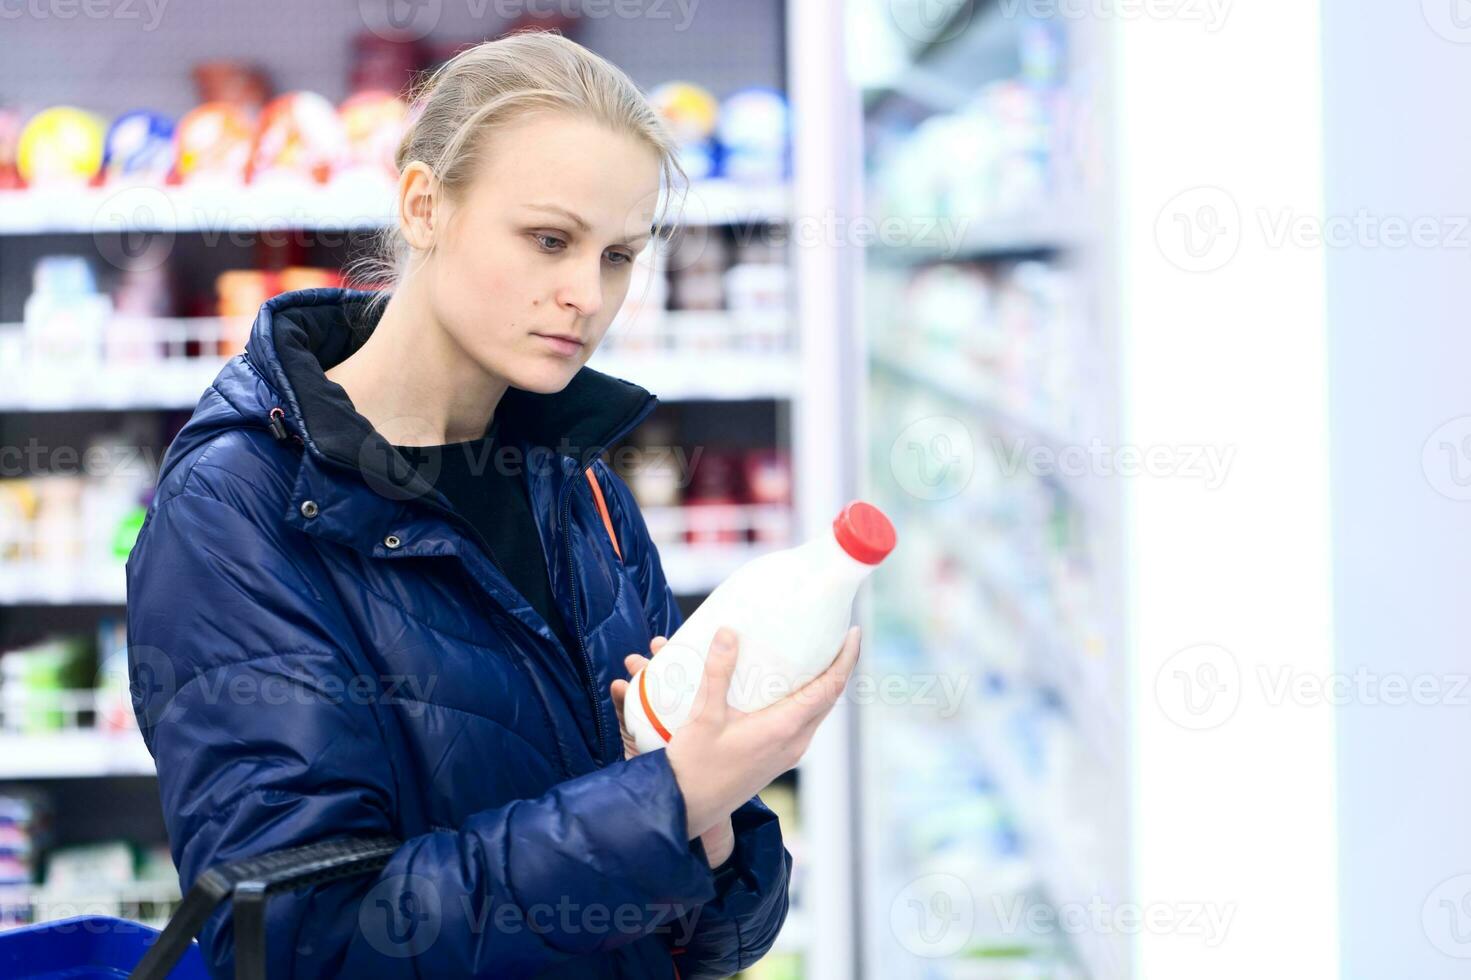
583 289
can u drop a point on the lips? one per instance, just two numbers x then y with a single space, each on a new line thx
561 344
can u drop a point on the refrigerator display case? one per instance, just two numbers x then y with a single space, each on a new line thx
992 784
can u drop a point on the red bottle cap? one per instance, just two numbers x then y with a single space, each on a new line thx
864 532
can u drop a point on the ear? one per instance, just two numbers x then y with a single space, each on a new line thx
418 193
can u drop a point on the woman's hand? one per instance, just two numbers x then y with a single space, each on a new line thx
719 840
723 756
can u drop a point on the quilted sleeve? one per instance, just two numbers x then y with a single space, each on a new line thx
243 676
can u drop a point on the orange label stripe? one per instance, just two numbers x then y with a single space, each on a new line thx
643 699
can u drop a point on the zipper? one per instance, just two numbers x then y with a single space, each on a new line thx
566 514
589 681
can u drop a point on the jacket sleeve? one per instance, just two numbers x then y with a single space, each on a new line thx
266 725
739 925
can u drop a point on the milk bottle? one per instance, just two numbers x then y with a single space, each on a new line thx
790 610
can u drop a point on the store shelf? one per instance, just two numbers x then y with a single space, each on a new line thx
686 375
58 584
698 569
673 376
73 754
341 206
1047 232
692 569
672 359
956 383
149 902
161 384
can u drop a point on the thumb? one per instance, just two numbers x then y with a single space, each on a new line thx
710 699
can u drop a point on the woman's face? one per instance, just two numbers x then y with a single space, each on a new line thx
541 246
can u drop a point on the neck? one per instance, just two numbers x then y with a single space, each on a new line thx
413 382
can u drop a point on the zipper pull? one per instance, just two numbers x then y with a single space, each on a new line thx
278 428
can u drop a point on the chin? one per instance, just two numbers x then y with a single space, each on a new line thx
545 379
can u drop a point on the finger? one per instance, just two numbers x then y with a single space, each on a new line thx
619 690
830 684
634 662
810 703
657 643
715 681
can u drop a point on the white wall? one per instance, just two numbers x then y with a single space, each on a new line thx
1397 145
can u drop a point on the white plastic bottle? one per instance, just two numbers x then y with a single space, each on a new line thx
790 609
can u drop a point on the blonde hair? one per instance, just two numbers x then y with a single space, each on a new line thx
457 108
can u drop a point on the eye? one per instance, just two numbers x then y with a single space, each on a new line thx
556 242
624 257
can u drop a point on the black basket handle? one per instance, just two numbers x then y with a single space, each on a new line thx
250 882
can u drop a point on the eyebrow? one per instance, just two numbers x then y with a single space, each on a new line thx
583 225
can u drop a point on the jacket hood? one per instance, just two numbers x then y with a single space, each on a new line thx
298 336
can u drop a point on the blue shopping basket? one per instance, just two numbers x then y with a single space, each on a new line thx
91 947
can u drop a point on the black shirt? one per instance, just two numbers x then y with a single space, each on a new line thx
498 505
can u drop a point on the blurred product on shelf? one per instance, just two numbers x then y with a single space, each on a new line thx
65 315
383 64
212 144
757 284
61 146
72 333
238 134
1009 337
32 682
121 878
372 122
704 496
767 477
696 270
703 293
240 293
73 684
752 134
299 135
145 288
690 112
10 128
140 147
715 488
1000 155
25 821
653 472
243 86
114 702
64 528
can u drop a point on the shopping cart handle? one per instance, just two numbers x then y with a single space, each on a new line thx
251 881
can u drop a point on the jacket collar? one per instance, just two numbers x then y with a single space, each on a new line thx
299 335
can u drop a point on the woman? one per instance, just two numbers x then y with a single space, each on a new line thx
327 640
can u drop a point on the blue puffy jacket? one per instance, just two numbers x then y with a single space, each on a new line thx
320 648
